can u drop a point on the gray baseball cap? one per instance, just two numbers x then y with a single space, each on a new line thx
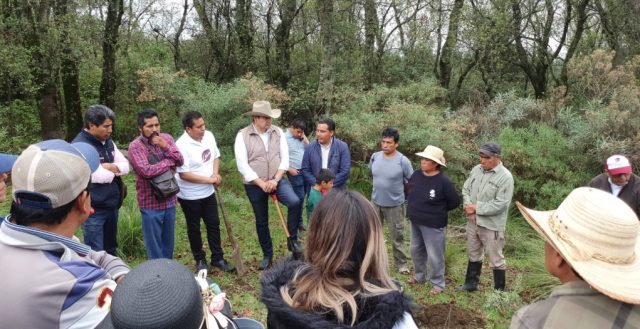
52 173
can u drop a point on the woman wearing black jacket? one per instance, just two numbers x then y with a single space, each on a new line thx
431 196
344 281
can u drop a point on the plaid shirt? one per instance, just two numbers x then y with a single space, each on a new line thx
168 159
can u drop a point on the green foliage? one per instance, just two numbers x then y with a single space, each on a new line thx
503 302
544 163
21 125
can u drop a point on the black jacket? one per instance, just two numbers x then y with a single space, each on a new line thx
377 312
103 196
630 193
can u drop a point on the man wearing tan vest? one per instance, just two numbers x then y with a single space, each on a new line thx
262 156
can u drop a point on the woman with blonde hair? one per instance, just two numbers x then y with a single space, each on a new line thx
344 281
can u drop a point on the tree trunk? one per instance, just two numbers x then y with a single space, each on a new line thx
288 12
324 97
581 19
370 34
611 28
177 54
245 35
69 72
45 71
450 43
115 10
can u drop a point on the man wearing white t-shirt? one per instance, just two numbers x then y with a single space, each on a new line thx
197 178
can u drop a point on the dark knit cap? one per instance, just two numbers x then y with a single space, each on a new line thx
157 294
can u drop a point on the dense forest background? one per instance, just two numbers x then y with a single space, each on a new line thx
554 81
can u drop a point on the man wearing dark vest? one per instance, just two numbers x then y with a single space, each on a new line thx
262 156
618 179
101 229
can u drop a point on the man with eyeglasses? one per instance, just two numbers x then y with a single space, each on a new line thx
618 179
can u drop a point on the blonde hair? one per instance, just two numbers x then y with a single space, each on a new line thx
346 258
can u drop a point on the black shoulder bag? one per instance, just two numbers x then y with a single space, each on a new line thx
164 185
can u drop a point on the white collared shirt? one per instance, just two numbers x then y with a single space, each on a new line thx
242 158
325 154
615 189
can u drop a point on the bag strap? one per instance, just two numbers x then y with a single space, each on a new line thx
151 157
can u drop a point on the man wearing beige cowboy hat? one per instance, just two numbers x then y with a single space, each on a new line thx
487 194
618 179
592 246
431 197
262 157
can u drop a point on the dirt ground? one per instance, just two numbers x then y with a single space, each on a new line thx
440 316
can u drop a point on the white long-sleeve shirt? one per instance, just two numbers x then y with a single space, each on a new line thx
242 158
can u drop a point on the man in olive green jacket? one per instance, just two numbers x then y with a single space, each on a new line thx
487 194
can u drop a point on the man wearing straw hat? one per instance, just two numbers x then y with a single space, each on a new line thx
618 179
487 194
262 157
592 246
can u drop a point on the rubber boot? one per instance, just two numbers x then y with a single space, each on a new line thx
498 280
295 248
472 278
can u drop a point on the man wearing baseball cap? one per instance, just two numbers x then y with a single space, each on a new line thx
618 179
487 194
592 247
50 279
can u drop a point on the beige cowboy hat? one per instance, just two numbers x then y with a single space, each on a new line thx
433 153
263 109
597 234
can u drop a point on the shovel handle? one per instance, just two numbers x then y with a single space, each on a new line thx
274 197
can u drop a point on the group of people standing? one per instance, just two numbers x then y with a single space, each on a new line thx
430 195
591 239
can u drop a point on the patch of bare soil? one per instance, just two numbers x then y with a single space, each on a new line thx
440 316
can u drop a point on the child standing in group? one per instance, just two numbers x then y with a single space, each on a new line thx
324 182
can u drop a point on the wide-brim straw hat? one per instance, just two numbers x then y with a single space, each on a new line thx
433 153
263 109
597 234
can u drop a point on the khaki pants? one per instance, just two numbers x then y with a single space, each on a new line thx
394 216
481 240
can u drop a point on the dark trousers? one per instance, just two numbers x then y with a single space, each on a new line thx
101 230
207 209
298 186
260 203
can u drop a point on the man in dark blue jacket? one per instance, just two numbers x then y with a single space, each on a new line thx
326 152
101 228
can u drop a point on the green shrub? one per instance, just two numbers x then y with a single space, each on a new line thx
544 163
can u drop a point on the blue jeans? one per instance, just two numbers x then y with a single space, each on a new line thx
158 231
260 203
101 230
298 186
